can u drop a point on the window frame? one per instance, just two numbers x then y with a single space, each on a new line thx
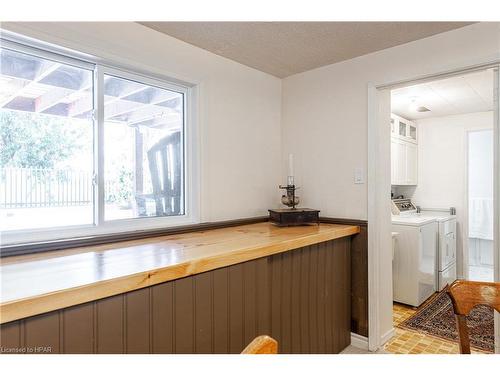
190 170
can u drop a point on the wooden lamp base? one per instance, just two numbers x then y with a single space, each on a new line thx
293 216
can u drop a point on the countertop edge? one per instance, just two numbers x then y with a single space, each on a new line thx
43 303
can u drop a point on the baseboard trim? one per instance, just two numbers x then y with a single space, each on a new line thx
336 220
358 341
387 336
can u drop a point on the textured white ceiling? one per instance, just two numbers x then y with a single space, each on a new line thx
286 48
466 93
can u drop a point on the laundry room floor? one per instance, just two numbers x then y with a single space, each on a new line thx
406 341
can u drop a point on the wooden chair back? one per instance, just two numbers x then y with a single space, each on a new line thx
262 345
465 295
165 167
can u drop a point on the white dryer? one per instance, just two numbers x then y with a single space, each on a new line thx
446 261
414 264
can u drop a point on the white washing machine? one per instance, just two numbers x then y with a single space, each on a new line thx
414 263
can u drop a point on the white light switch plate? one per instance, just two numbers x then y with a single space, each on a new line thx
359 176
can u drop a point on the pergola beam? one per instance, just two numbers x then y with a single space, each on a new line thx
57 95
159 98
125 101
50 99
44 69
157 113
157 122
86 104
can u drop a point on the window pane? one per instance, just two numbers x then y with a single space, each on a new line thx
143 150
46 144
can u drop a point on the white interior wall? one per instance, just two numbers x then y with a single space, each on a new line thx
325 120
239 108
442 167
480 174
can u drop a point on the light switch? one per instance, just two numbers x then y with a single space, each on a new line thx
359 176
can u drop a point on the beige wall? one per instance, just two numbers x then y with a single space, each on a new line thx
239 109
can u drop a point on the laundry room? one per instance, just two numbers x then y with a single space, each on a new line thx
441 201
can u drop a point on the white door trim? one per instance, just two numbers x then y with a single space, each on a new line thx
375 208
373 227
358 341
496 192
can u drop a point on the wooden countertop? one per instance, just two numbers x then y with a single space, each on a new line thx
39 283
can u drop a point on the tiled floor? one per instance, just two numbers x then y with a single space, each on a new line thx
410 342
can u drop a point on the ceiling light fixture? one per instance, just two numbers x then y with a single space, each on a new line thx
423 109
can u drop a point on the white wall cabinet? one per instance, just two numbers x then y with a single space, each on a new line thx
404 153
411 163
403 129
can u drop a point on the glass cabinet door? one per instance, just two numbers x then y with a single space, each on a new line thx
402 129
413 132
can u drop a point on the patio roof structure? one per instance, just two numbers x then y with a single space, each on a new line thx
32 84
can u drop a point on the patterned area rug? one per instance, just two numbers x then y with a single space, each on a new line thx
436 318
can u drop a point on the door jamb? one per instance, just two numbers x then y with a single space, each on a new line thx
496 192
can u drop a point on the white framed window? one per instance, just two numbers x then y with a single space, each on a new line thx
90 148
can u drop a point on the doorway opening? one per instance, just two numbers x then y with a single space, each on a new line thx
441 135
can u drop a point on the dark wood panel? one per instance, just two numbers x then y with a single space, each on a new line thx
295 302
137 321
236 322
42 333
329 297
359 274
10 336
276 292
162 316
203 312
304 301
346 334
285 340
110 325
300 297
184 315
337 281
263 293
313 299
359 282
321 298
250 308
78 329
221 310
